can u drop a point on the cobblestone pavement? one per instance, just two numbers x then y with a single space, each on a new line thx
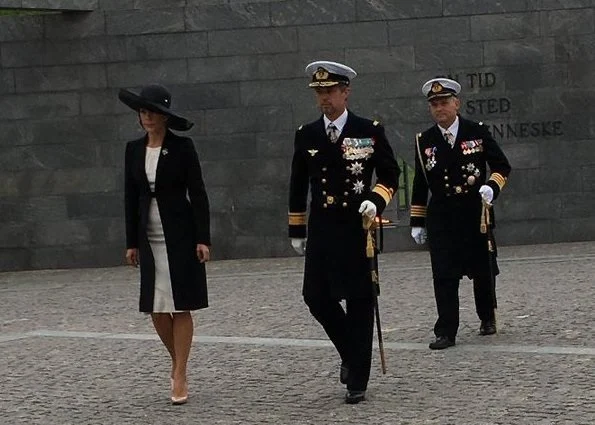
76 351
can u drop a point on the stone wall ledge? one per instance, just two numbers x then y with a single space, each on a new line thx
54 5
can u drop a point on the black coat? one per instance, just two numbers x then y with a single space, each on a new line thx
336 263
184 209
453 213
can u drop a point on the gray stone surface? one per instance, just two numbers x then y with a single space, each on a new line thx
145 21
73 25
423 31
382 59
353 35
61 78
19 28
537 76
236 69
478 7
227 16
505 26
15 107
568 22
6 81
166 46
76 351
85 50
116 4
443 56
526 51
62 5
29 53
127 74
380 10
296 12
253 41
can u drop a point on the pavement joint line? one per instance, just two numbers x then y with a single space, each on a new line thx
13 337
307 343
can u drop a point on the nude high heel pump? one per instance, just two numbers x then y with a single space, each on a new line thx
179 400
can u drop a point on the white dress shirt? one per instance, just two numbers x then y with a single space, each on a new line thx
453 129
339 122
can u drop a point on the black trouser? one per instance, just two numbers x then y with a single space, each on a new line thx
351 332
446 292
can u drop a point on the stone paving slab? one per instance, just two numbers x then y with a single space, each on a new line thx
76 351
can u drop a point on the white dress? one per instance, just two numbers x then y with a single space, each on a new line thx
163 301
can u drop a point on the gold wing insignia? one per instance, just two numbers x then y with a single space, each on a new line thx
312 152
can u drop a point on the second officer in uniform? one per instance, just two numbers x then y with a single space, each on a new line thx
451 162
335 158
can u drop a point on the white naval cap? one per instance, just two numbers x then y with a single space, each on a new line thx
326 73
440 87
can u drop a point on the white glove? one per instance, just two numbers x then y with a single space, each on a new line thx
419 235
368 208
299 245
487 193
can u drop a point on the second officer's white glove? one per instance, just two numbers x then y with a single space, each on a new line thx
369 209
487 193
419 235
299 245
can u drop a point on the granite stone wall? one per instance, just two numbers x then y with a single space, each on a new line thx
236 69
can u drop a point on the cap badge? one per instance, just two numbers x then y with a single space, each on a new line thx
437 87
321 74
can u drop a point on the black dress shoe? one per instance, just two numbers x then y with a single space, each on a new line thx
441 343
344 375
354 397
488 327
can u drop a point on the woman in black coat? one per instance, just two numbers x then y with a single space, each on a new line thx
167 225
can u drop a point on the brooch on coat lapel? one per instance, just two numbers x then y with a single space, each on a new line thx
164 151
312 152
357 148
472 146
431 161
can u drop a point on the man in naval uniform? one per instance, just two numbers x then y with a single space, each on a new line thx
450 164
335 157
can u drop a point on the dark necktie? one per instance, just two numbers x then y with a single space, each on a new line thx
450 138
333 133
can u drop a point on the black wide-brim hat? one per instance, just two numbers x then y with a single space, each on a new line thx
155 98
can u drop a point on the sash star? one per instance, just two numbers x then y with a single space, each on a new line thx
358 187
356 168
